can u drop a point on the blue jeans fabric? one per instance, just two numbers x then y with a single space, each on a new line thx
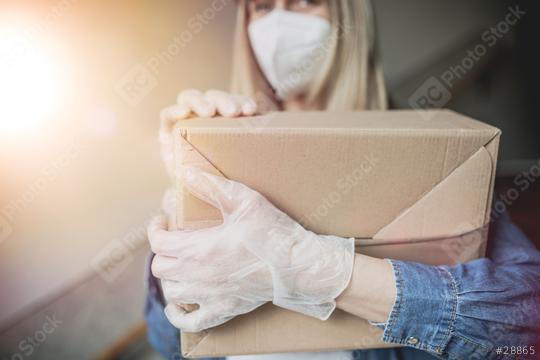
463 311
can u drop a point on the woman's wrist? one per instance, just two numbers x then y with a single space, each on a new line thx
371 292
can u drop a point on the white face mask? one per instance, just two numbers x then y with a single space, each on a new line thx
290 49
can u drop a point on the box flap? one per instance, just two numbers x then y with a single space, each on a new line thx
493 148
470 181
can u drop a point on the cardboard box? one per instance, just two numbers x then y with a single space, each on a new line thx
407 185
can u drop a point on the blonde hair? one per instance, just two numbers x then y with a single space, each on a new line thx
351 77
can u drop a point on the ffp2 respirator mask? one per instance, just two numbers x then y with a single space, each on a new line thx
290 49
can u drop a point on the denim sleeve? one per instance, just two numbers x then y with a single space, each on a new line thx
466 311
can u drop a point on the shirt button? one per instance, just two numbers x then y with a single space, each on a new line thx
412 340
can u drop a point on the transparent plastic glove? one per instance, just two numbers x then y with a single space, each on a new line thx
195 103
258 254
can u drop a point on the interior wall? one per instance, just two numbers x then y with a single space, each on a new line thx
83 183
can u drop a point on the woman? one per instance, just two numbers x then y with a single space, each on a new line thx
300 55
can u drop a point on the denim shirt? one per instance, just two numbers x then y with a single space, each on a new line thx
464 311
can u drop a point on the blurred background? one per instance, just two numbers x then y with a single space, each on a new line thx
81 86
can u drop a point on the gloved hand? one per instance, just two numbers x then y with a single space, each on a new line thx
195 103
258 254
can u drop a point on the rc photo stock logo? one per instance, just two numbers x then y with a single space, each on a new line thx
433 94
29 345
142 78
112 260
436 92
136 84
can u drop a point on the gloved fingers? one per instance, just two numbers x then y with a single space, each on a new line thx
194 321
184 269
247 105
197 102
170 115
165 267
287 240
190 269
195 291
177 292
224 102
224 194
165 242
156 225
174 243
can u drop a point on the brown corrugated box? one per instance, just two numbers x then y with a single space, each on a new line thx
406 184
